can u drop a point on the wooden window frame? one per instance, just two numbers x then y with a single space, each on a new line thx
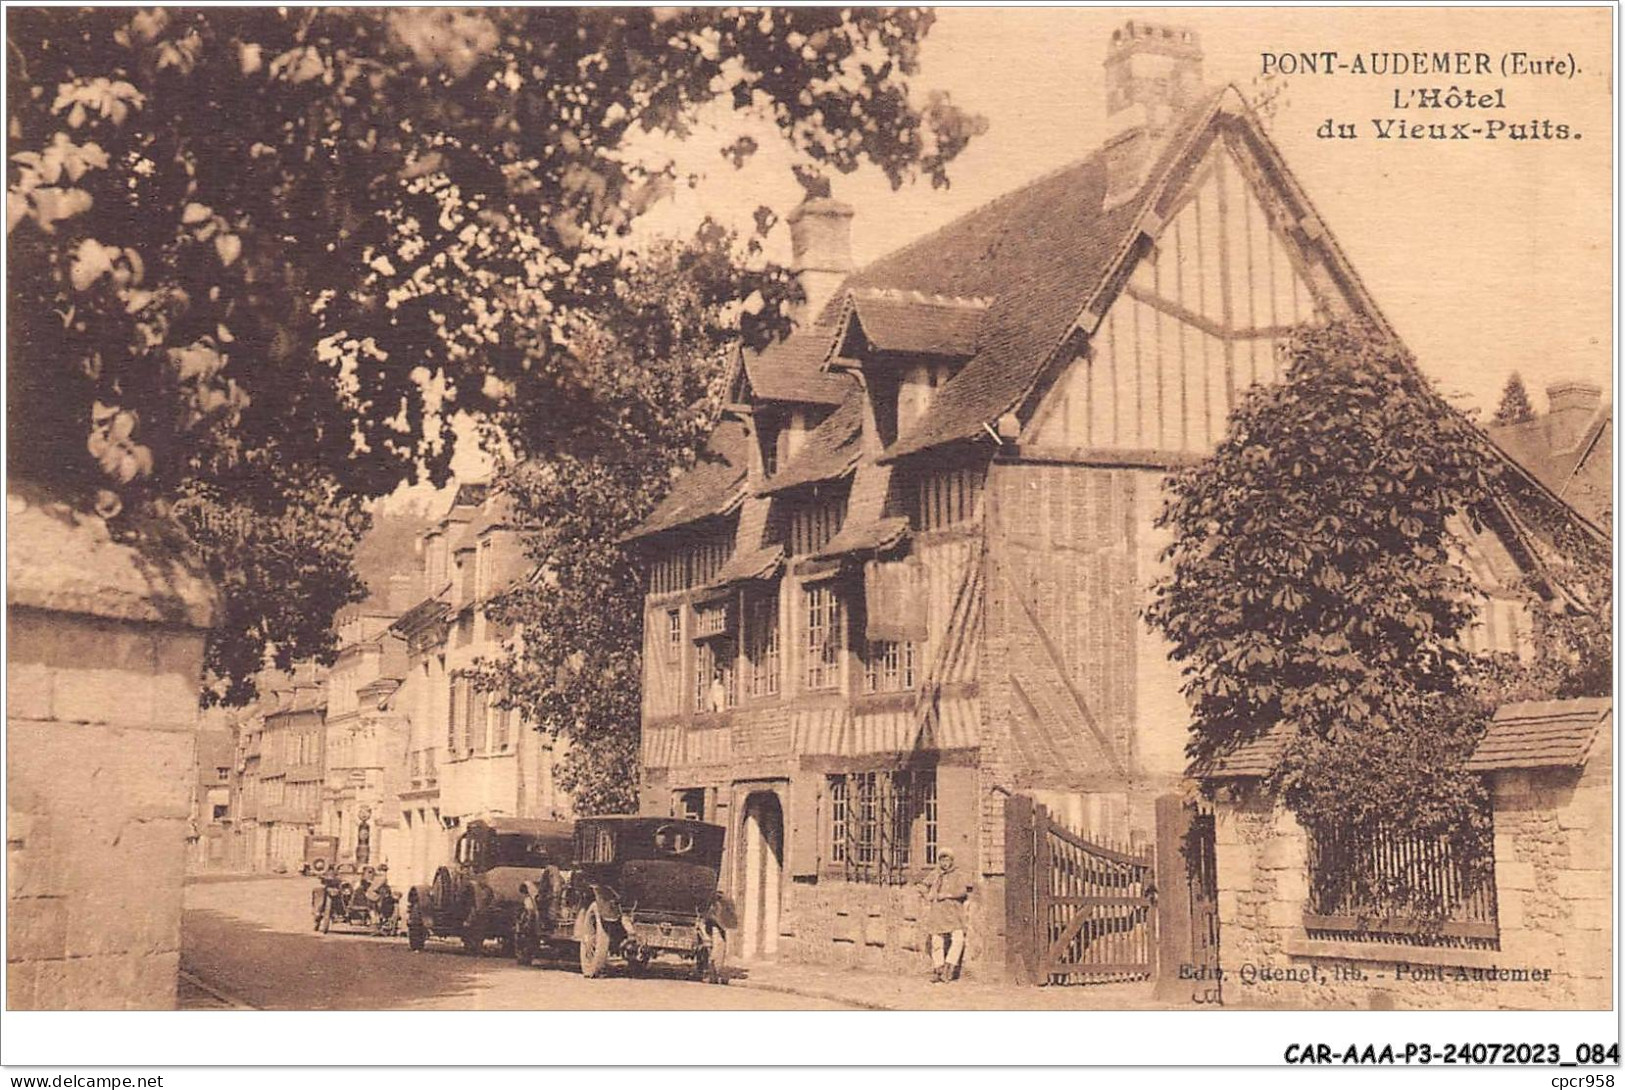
762 653
823 642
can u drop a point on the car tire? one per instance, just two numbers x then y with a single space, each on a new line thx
594 945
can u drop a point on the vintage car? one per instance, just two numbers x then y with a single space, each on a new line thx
637 887
321 853
478 896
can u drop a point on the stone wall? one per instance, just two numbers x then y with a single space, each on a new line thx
876 928
1553 878
104 650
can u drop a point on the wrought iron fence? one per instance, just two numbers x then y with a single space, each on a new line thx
1379 885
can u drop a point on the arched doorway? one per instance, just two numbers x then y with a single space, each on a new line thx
764 868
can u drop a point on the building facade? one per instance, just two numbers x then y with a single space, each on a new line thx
905 583
365 743
280 755
464 757
210 836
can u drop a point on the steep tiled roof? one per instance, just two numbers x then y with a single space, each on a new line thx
793 369
1039 253
1255 758
712 486
830 451
1541 734
911 322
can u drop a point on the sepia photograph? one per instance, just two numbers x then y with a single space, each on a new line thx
805 509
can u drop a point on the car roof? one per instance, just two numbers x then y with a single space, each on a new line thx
526 826
646 819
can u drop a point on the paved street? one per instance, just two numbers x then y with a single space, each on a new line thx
249 942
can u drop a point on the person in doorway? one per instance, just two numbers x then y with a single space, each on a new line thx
946 891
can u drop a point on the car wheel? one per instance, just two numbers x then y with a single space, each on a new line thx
416 937
594 945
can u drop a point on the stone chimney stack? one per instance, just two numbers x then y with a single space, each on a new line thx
820 251
1153 74
1572 406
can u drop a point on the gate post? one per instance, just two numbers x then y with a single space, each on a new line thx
1176 944
1020 913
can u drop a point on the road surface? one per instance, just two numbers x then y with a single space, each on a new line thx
250 943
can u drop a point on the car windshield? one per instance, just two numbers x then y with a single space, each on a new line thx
518 850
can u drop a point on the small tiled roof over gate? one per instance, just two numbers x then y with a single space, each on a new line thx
1541 734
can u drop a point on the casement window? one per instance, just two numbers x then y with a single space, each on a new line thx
674 636
762 642
714 684
882 825
505 718
888 665
823 642
1381 886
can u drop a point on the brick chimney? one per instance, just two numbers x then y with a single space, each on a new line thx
1153 74
1572 406
820 251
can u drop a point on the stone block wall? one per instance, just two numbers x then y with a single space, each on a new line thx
1553 877
105 651
876 928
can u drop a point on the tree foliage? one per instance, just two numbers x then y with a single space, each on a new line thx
657 356
1314 588
1514 407
306 237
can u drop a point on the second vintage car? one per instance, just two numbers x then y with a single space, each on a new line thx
637 888
478 896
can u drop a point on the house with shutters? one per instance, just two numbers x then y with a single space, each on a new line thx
902 586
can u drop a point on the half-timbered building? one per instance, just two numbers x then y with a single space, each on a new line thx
903 586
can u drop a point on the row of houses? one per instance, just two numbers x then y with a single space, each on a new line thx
896 607
389 750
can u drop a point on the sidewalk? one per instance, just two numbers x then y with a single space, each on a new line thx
876 991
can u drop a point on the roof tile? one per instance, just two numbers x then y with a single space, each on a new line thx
1541 734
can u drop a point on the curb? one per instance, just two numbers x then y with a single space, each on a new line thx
231 1001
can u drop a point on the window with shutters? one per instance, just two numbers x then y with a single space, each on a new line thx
823 637
451 718
503 728
762 642
882 825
